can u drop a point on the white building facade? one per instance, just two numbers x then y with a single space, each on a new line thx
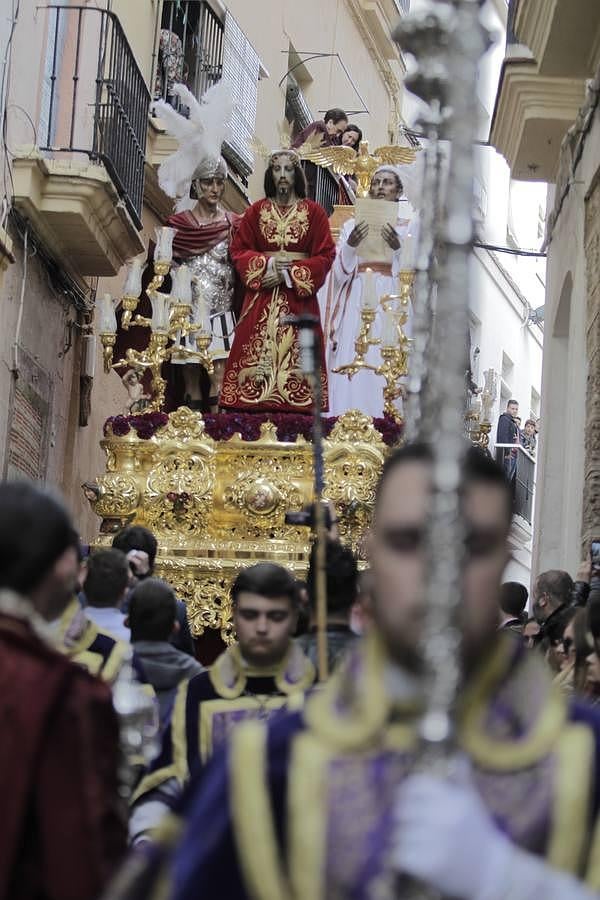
506 288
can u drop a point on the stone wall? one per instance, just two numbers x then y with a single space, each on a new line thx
591 495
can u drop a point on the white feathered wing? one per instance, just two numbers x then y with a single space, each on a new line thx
199 136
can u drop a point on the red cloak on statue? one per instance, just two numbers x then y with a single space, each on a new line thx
263 370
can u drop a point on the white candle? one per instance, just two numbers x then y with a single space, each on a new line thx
202 313
389 329
163 251
182 285
160 311
407 259
107 321
133 280
369 294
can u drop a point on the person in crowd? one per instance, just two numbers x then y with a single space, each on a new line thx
255 678
63 828
552 591
507 432
360 615
531 633
152 620
513 601
282 250
329 129
339 773
342 592
105 587
344 293
528 438
351 136
140 546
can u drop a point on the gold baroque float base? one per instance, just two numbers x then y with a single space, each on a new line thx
215 506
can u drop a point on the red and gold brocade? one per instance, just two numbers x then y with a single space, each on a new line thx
263 371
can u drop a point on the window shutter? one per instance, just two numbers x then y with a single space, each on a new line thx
241 67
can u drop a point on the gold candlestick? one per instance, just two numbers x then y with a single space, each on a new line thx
152 358
361 346
108 340
161 270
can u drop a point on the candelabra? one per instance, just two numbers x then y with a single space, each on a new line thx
174 318
394 345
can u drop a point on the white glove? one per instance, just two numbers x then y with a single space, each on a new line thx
446 838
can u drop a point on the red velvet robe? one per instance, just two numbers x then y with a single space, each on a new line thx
263 370
63 830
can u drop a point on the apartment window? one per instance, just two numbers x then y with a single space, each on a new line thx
508 368
198 49
534 404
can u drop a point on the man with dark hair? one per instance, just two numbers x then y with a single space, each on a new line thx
254 678
140 547
282 251
105 588
62 830
342 591
329 129
152 620
551 592
342 811
508 433
513 600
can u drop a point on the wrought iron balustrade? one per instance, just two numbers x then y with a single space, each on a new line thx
325 187
190 49
94 98
519 466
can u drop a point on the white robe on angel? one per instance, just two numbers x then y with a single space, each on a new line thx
340 301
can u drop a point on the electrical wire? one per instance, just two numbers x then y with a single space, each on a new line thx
514 251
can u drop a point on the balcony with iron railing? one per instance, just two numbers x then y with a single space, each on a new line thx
198 48
519 466
82 186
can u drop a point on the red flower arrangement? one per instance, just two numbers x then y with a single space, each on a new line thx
145 425
222 426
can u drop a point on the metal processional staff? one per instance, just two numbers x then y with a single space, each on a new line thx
447 39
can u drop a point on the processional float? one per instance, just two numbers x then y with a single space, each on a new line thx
216 496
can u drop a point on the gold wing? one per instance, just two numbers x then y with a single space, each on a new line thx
341 159
393 155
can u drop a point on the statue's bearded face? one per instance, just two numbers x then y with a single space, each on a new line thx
384 186
283 171
210 190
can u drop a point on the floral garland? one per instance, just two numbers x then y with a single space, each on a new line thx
222 426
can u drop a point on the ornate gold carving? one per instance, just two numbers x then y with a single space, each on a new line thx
217 506
282 228
185 425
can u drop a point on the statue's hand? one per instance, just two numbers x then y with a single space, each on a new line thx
358 234
390 236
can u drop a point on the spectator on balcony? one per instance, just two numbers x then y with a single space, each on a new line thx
528 438
330 129
346 290
508 433
351 136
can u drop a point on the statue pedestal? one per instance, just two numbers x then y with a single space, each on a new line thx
217 505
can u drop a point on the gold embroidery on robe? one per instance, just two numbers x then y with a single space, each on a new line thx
255 271
284 228
268 369
302 278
